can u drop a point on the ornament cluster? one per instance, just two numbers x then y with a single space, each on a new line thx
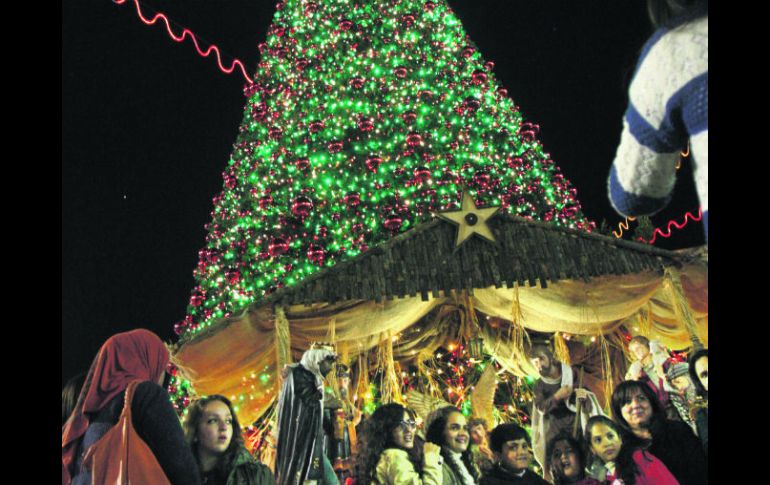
364 118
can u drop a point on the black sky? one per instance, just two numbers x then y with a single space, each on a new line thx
148 125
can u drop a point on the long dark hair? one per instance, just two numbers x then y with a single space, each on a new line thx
193 420
663 13
377 436
576 446
699 389
621 397
625 466
69 395
435 434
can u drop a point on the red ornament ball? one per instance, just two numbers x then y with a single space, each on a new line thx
357 82
393 222
421 174
482 180
471 104
196 300
301 207
345 25
335 146
365 124
502 92
429 6
302 164
467 52
352 199
479 77
514 162
373 163
527 136
310 9
316 126
413 139
400 72
316 254
407 20
233 277
278 245
489 65
265 201
409 117
301 64
275 133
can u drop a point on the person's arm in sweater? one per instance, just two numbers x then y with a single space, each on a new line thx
668 105
395 468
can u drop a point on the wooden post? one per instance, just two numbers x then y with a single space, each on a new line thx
282 341
681 308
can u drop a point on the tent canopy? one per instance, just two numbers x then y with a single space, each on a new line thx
562 280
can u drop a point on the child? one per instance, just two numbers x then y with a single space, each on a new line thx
624 465
513 453
566 462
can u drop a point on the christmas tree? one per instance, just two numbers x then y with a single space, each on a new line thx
365 117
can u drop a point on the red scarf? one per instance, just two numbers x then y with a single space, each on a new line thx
124 357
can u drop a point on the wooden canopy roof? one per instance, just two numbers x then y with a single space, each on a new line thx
424 261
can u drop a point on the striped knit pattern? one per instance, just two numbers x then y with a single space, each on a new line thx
668 106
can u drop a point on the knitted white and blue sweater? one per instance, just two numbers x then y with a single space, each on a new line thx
668 106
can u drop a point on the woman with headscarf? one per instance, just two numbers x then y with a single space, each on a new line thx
127 372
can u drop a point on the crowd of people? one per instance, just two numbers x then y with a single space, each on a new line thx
121 399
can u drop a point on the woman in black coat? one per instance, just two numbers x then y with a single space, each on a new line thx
643 422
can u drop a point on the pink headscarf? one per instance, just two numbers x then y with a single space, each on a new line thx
138 355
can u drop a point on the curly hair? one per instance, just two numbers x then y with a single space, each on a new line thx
576 446
438 420
69 395
195 417
624 463
377 436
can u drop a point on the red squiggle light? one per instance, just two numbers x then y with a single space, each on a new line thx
192 36
674 223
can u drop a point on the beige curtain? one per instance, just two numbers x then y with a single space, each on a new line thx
239 358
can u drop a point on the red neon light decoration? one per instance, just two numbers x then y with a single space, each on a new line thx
674 223
192 36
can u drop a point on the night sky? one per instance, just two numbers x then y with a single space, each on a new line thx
148 125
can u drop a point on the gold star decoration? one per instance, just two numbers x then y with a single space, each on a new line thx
470 220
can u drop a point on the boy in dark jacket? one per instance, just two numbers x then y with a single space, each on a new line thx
513 452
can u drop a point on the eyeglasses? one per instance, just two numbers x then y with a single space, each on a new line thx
405 425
